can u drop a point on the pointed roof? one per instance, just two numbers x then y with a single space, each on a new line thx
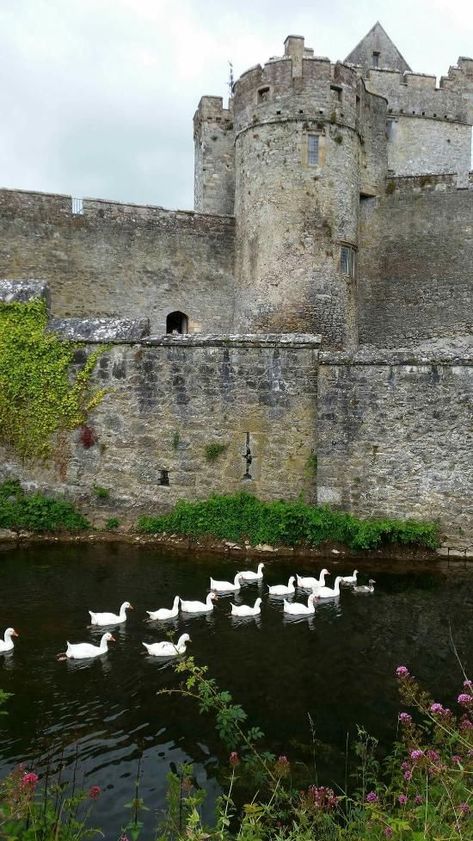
377 50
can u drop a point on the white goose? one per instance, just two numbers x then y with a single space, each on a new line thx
166 648
249 575
110 618
226 586
310 583
246 609
6 644
298 609
199 607
349 579
329 592
164 612
365 588
283 589
85 650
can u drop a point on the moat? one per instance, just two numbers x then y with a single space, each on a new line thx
338 666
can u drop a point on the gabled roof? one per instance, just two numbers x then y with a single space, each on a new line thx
377 41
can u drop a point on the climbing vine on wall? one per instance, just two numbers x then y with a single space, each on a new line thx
37 395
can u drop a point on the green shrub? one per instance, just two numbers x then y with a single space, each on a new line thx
34 512
112 523
214 450
242 516
101 493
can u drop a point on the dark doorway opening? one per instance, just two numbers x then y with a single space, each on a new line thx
176 322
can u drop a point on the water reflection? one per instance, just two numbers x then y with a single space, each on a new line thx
107 711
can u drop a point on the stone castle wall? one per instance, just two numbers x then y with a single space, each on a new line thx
416 263
121 260
168 400
395 437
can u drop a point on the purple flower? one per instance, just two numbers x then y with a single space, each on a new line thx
418 800
388 832
438 709
468 684
320 797
464 808
416 755
234 759
465 723
407 775
402 671
372 797
402 799
457 759
405 718
433 755
465 700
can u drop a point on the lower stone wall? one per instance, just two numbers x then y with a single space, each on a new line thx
395 437
169 400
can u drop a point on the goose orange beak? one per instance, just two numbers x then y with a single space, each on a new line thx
15 634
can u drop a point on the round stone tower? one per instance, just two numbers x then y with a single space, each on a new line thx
300 167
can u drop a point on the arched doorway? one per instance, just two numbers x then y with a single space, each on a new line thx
176 322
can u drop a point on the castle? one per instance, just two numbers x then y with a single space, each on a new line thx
312 316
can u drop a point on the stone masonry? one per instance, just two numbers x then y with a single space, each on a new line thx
313 315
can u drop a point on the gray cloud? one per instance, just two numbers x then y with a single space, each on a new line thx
97 96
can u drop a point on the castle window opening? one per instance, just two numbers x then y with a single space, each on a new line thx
263 94
177 322
163 478
389 129
375 59
347 260
337 91
312 149
77 206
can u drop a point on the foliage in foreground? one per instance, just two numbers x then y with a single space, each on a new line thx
37 396
241 517
21 511
423 791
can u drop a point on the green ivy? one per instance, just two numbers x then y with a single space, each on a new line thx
37 396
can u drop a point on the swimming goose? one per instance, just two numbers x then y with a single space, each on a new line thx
84 650
199 607
349 579
249 575
365 588
226 586
328 592
7 643
298 609
309 583
166 648
246 609
110 618
164 613
283 589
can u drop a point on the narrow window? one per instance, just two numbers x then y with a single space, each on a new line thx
337 91
389 129
347 260
163 477
375 59
312 149
263 94
176 322
77 206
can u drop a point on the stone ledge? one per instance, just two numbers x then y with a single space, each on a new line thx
100 329
23 291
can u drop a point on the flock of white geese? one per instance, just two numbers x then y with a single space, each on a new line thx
166 649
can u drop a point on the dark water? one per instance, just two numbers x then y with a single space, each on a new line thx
337 666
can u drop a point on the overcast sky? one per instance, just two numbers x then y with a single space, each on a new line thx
97 96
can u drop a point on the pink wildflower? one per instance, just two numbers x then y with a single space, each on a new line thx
234 759
94 792
416 755
282 766
433 755
407 775
405 718
372 797
457 759
402 799
418 800
388 832
464 808
29 780
402 671
465 700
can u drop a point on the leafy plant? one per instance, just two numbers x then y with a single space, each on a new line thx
21 511
37 396
241 516
214 450
100 492
112 523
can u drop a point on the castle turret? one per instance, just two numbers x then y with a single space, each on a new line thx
214 161
299 162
